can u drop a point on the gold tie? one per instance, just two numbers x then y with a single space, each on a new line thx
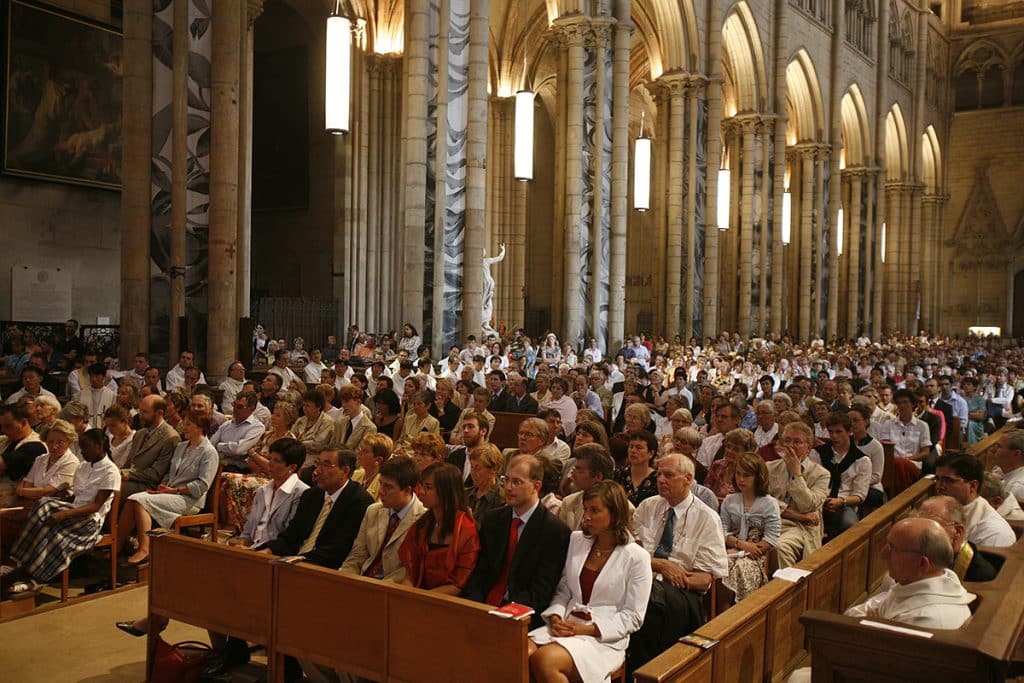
310 542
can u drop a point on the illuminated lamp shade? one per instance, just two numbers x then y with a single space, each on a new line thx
523 160
787 218
723 199
338 87
881 246
642 174
839 232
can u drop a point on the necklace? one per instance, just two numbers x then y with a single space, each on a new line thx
602 552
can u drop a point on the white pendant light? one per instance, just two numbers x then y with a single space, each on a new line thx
642 170
881 246
523 156
338 86
839 232
787 218
723 199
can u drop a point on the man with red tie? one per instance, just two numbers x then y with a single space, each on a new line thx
522 545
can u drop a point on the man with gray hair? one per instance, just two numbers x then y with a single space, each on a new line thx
687 546
1009 456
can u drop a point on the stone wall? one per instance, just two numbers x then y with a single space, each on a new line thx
55 225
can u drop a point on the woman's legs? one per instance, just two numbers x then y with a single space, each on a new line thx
143 523
125 524
552 663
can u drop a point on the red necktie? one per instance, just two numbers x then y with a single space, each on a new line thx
497 594
376 569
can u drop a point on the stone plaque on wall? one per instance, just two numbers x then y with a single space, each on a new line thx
41 295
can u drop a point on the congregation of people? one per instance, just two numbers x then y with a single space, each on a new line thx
639 480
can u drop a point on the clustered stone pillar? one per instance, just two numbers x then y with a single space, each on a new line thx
476 163
620 174
854 240
137 106
229 21
671 108
713 67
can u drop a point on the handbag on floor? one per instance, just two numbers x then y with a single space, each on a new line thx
179 663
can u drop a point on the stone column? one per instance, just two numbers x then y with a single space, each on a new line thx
229 19
881 276
598 40
853 234
766 129
415 172
674 98
836 89
571 32
806 155
696 83
713 67
916 238
370 272
781 56
620 175
244 239
476 165
747 128
869 211
136 114
179 179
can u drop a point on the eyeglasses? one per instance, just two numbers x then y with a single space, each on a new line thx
515 481
792 442
948 480
893 549
529 435
321 465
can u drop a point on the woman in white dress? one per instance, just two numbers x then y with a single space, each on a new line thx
117 421
601 599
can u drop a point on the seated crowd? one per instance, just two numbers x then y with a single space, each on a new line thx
637 481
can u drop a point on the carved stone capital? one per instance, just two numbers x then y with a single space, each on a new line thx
601 32
254 8
570 31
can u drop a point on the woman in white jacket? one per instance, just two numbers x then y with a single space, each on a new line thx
601 598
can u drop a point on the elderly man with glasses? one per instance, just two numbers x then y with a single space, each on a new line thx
801 487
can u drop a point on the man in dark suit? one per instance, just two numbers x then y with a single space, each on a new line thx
519 401
538 541
499 394
328 515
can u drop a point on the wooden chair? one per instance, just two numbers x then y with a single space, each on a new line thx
209 515
107 540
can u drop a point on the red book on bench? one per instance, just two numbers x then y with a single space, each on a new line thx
513 610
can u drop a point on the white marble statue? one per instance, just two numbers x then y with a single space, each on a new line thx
488 296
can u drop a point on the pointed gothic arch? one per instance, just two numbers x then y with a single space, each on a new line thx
803 100
856 131
897 157
742 63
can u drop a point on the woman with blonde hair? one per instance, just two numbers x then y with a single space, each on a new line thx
373 451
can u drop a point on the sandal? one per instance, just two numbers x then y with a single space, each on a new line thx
135 562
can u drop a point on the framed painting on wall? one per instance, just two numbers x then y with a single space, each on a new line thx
62 96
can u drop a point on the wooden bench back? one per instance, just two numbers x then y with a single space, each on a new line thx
505 430
761 638
986 648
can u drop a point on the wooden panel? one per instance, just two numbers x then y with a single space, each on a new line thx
700 670
505 431
677 664
824 589
423 625
785 632
740 657
181 588
876 565
855 572
337 620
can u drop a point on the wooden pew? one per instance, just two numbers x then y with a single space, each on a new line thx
987 648
505 431
761 638
981 449
391 633
212 586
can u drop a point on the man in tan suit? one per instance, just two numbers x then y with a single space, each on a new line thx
354 421
152 447
801 487
375 551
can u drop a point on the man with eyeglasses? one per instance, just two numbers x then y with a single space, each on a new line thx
328 515
801 487
968 563
925 593
1010 459
522 545
960 476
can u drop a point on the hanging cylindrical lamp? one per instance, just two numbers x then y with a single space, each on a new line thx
642 170
787 217
723 199
881 246
839 232
523 157
338 86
